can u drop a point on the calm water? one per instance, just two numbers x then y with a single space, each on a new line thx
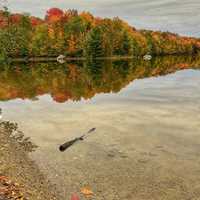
147 114
147 141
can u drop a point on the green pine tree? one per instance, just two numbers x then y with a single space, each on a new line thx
126 44
94 44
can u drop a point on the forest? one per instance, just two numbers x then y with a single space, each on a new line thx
75 34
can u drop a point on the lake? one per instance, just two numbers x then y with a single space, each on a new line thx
146 114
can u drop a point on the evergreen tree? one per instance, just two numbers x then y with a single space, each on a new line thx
151 48
94 47
126 45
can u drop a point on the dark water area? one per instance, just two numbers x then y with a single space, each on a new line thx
146 113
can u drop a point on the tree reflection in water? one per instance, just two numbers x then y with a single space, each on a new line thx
82 80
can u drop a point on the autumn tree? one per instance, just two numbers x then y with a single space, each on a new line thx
40 41
70 13
54 15
73 34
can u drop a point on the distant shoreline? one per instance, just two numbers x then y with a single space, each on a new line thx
54 58
39 58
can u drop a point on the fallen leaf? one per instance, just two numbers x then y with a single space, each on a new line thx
86 191
3 178
74 197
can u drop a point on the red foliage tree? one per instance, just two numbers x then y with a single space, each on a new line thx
35 21
15 18
3 21
54 15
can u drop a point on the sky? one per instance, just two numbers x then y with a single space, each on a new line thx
179 16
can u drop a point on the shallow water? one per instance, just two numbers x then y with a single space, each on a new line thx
147 141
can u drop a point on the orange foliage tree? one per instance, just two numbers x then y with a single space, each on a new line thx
73 34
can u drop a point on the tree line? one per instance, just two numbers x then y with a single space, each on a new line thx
83 35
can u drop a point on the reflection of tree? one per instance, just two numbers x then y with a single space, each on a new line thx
74 81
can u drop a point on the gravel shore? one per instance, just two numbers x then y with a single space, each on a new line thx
20 169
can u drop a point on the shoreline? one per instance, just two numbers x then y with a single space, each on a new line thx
54 58
19 169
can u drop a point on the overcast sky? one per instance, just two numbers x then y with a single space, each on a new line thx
181 16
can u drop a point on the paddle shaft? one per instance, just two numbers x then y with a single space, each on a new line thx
68 144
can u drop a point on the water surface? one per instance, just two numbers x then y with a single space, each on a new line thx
147 141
